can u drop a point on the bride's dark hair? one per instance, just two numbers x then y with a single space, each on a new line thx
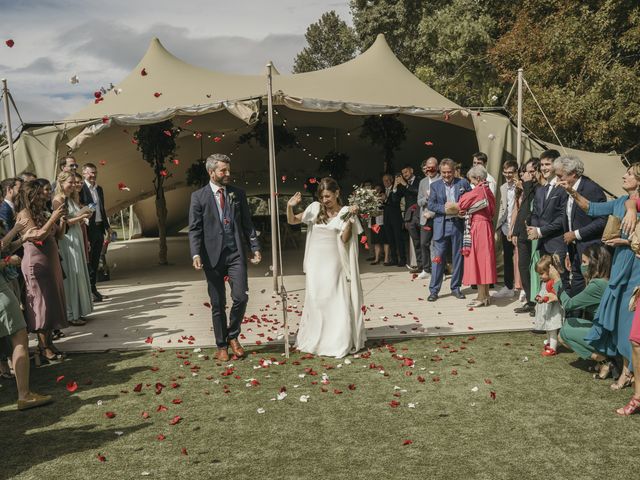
327 183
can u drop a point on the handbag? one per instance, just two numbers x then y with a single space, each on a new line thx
634 240
612 228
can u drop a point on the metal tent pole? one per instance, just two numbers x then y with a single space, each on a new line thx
7 117
519 141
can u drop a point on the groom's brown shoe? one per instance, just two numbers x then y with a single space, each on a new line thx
222 354
236 348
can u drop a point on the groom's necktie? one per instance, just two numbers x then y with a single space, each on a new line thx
221 193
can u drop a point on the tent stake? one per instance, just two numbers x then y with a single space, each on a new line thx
7 116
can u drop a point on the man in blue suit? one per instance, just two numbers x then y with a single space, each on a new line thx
220 228
10 188
446 228
580 229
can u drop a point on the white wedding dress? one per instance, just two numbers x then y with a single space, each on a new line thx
332 321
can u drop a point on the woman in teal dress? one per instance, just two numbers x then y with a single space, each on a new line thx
609 334
596 265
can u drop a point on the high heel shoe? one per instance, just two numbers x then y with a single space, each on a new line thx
628 380
630 408
52 359
479 303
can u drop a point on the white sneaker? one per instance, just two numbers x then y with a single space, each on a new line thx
523 297
423 275
504 292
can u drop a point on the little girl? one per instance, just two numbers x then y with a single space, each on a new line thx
548 311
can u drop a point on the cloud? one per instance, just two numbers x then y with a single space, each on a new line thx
40 65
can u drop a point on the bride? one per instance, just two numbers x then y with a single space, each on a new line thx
332 321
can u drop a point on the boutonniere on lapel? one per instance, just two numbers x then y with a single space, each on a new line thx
232 197
462 190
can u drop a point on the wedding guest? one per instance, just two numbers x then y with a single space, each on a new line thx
596 265
407 187
547 213
478 247
332 322
480 158
380 245
447 228
12 326
45 308
430 170
93 196
609 334
77 285
634 338
548 313
27 176
527 186
10 188
393 223
507 205
66 164
581 230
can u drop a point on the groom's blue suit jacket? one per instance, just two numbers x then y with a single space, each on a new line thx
437 200
206 229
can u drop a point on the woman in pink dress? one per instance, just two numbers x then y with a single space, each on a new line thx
478 205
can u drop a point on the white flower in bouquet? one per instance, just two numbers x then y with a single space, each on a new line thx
366 199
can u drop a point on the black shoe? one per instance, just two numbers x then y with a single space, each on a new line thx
432 298
97 296
415 270
458 294
524 309
532 313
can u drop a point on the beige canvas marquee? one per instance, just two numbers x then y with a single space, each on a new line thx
324 109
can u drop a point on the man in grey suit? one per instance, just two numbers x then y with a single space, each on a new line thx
507 202
219 229
430 170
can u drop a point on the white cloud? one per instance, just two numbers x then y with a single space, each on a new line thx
102 41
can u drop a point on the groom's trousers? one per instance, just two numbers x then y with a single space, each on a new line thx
231 265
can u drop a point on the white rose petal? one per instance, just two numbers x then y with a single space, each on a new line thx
304 398
261 410
197 350
282 395
145 474
347 361
119 433
411 405
302 375
474 389
431 372
99 403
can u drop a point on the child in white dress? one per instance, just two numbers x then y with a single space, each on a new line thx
549 312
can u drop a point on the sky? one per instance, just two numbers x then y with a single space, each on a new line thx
101 42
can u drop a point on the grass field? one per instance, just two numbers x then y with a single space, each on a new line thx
468 408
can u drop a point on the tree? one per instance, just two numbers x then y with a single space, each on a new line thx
386 132
330 41
157 143
334 164
259 135
582 61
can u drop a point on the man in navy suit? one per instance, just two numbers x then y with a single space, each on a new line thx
10 188
446 228
219 229
98 226
580 229
547 214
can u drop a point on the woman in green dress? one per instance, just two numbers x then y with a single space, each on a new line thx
596 267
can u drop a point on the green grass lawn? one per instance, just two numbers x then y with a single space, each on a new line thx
549 419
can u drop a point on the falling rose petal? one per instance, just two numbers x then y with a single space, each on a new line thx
492 394
59 379
163 173
72 386
188 122
105 119
217 139
110 414
10 43
175 420
103 162
407 442
97 94
157 94
149 340
175 161
143 72
123 187
437 260
207 304
101 458
168 133
283 178
428 144
313 180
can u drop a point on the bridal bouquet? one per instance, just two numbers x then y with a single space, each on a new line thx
367 201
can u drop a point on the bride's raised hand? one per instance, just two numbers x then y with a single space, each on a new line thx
295 199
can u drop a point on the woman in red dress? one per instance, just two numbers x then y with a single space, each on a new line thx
478 245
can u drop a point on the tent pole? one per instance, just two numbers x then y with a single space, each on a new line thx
130 221
272 181
7 117
519 141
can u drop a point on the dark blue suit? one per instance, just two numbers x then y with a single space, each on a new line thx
446 230
220 258
7 215
547 214
589 228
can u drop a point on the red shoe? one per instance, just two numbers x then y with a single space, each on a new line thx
630 408
549 352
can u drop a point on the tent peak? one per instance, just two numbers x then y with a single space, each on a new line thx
265 70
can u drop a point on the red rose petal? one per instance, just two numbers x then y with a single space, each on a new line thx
161 437
175 420
145 415
161 408
176 401
59 379
352 386
175 161
157 94
110 415
10 43
428 143
168 133
407 442
217 139
184 451
137 388
394 403
72 386
149 340
101 458
103 162
143 72
492 394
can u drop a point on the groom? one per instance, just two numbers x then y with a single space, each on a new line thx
219 228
